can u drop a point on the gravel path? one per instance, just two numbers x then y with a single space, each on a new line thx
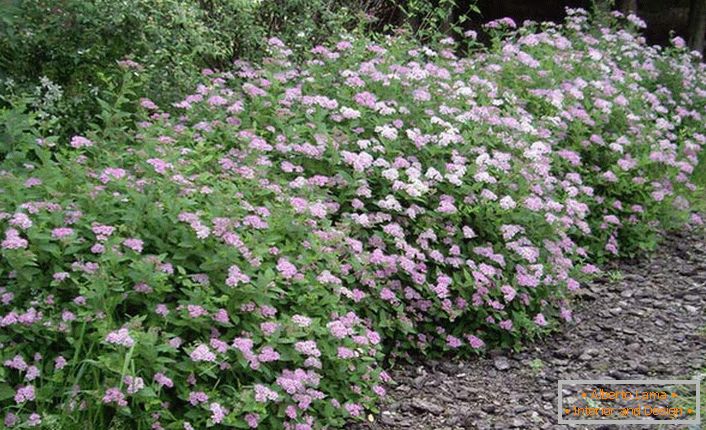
647 324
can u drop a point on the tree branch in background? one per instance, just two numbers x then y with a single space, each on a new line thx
697 25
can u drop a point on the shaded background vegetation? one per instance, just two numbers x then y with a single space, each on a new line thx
62 55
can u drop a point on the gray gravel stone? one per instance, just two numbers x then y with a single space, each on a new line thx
646 325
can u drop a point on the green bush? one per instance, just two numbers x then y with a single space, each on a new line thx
77 44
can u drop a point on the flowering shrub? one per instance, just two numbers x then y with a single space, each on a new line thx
60 55
174 289
241 263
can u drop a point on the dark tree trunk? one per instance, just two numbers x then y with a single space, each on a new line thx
628 6
448 22
410 19
413 22
697 25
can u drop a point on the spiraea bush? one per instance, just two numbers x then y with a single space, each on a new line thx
245 260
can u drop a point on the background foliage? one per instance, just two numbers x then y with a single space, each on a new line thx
74 45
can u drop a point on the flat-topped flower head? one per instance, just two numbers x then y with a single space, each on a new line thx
202 353
120 337
80 142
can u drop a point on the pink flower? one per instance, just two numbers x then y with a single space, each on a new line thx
243 344
446 205
453 341
221 316
360 162
60 276
162 380
59 363
217 101
21 220
202 353
338 329
508 292
353 409
345 353
373 337
475 342
286 269
501 23
505 324
343 45
365 99
62 232
80 142
235 276
307 347
148 104
218 345
10 420
268 354
160 166
534 203
161 309
34 419
110 173
218 412
102 231
678 42
269 328
196 311
134 244
17 363
120 337
134 384
540 320
264 394
252 419
13 240
197 397
25 394
301 320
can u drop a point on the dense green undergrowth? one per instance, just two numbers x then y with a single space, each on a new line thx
67 54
